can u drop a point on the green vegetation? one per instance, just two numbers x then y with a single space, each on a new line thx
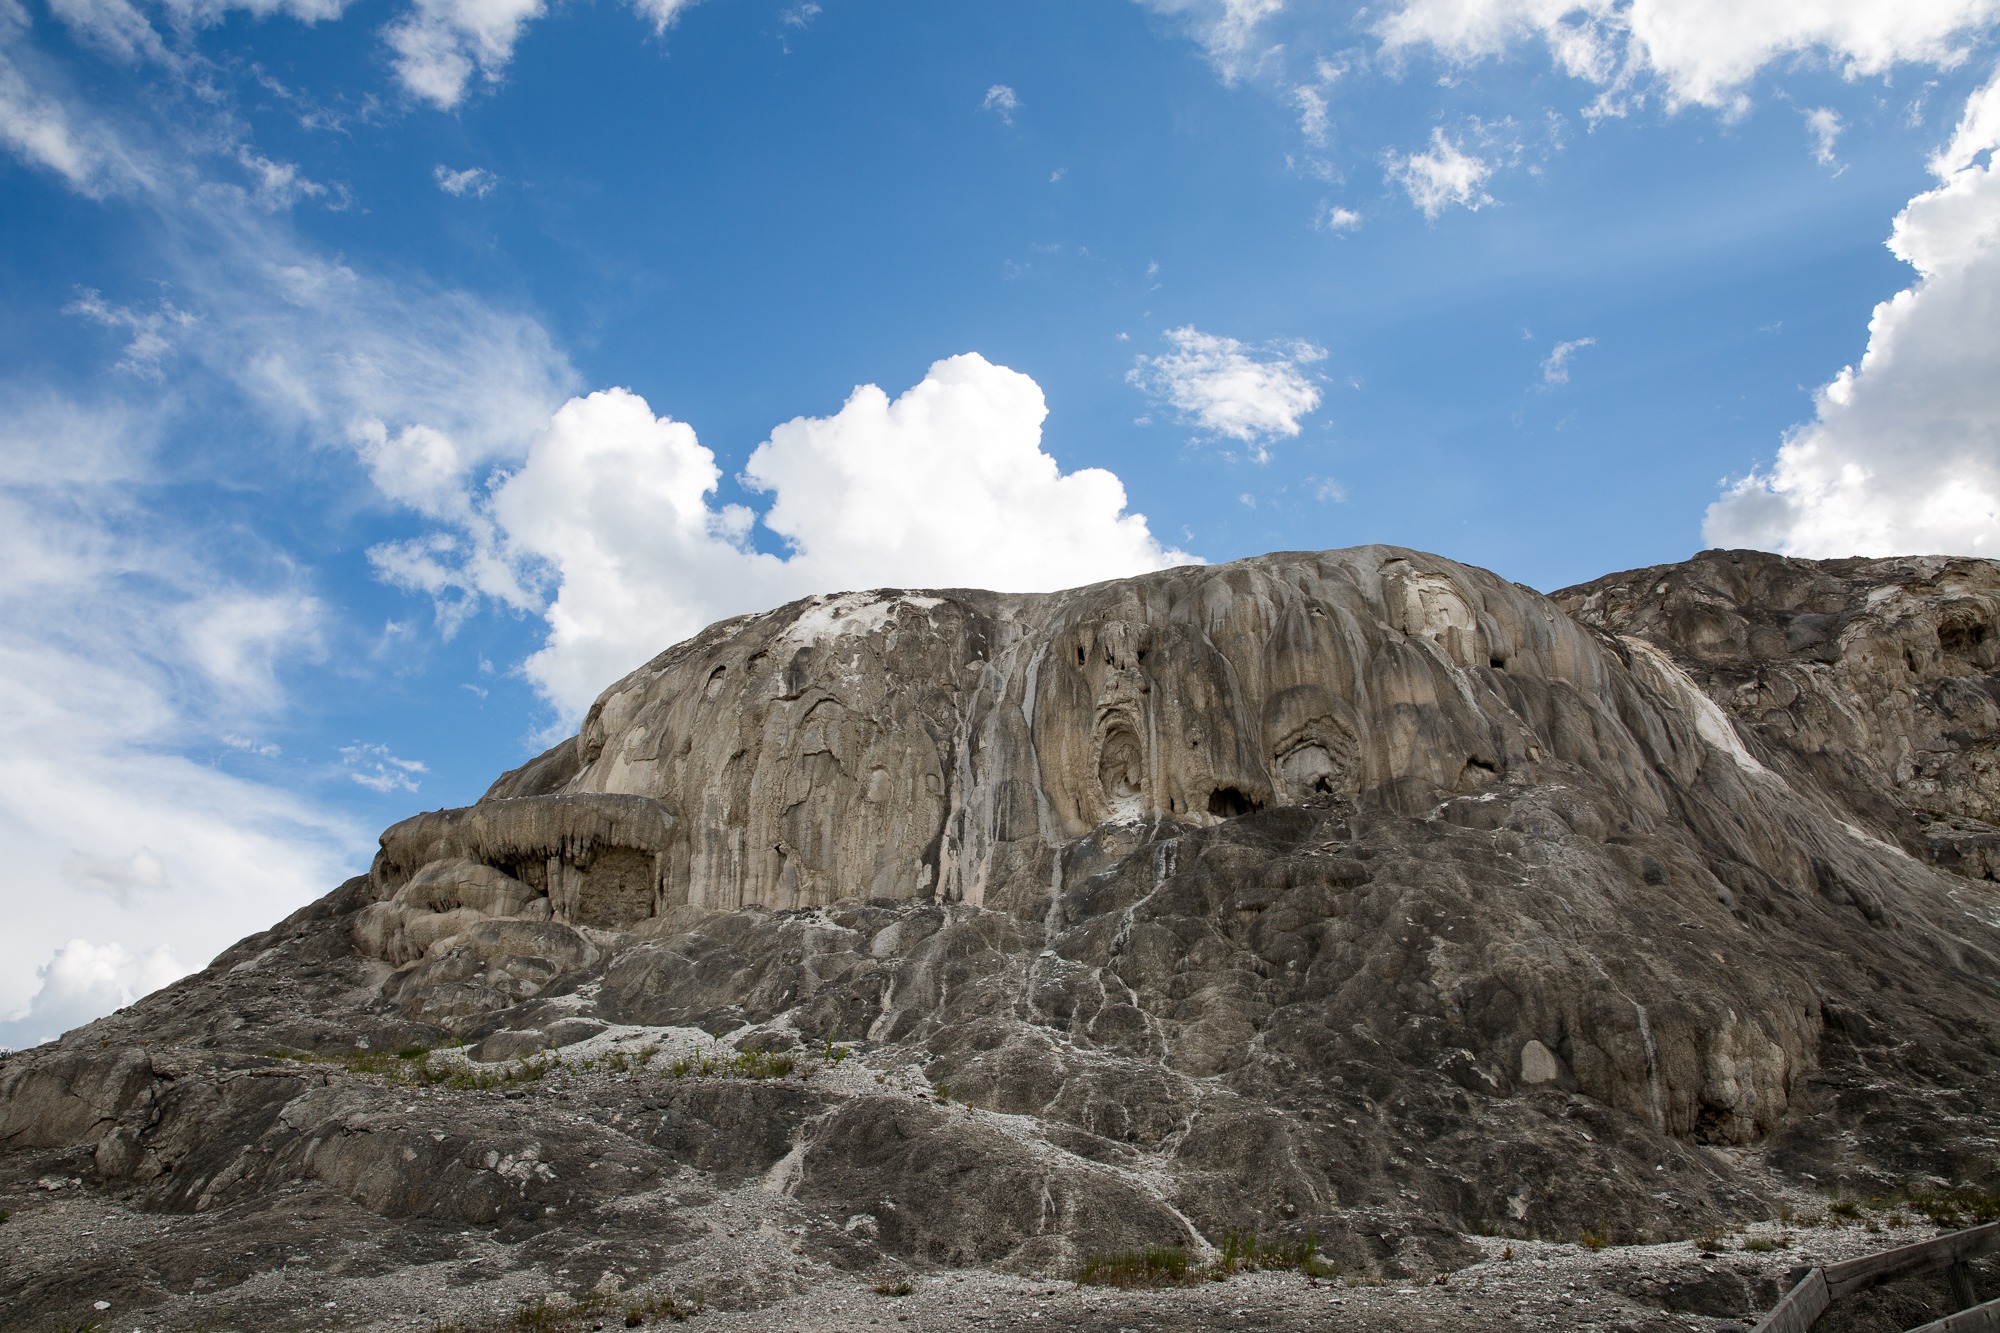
886 1287
1151 1268
755 1062
1240 1253
1595 1238
1951 1207
1767 1244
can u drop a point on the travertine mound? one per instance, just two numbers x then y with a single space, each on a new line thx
1359 892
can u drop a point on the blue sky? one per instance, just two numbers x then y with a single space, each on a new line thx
379 380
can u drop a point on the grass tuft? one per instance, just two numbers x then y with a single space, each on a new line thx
1148 1268
1240 1253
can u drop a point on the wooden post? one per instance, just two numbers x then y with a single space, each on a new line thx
1963 1294
1800 1307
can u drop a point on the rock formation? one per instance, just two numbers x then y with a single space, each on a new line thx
1359 892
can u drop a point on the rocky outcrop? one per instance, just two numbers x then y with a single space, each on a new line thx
1359 893
1873 682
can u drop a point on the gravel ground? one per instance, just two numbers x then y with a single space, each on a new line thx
320 1263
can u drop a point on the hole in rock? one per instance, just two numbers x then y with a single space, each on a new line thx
1962 635
1497 663
1229 802
1079 655
1477 773
1121 770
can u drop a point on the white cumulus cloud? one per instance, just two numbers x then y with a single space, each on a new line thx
1903 453
1334 218
1441 176
1697 51
440 44
614 515
81 981
1225 387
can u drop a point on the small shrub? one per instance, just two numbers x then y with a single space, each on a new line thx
901 1287
1767 1244
1595 1238
1847 1210
413 1052
1152 1268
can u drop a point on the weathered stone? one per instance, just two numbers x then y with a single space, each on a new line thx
1360 893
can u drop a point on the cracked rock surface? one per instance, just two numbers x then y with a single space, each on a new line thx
1359 895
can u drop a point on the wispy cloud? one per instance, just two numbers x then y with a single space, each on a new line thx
475 181
1230 32
1227 388
1824 125
375 767
1002 101
1313 122
152 332
1555 366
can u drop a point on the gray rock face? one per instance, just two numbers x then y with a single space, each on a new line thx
1871 681
1359 892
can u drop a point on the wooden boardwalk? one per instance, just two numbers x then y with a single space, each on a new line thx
1819 1287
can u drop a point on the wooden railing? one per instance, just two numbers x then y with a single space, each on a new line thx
1817 1288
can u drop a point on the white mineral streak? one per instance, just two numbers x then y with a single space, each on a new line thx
1711 723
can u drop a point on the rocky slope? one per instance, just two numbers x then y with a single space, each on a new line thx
1359 893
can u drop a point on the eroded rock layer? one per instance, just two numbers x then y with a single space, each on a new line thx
1360 892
